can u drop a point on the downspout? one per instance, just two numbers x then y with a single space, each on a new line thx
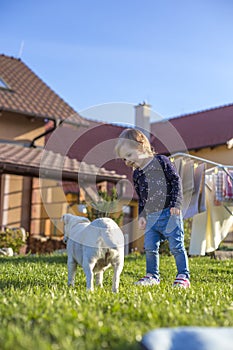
56 123
32 144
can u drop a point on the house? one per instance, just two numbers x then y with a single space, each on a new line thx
204 134
32 114
31 176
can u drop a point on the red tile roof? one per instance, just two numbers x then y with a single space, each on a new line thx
28 94
207 128
35 162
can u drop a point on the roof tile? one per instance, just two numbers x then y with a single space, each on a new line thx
28 94
208 128
35 162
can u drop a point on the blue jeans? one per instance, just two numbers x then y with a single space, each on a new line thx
162 225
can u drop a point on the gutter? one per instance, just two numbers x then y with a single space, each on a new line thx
54 174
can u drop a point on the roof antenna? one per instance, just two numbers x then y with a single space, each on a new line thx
21 49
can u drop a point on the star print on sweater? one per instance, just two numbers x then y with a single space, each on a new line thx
158 186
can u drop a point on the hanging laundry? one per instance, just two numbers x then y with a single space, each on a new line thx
187 176
197 245
202 199
219 220
210 228
228 186
193 183
223 187
179 166
219 191
197 200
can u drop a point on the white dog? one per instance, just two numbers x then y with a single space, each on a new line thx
95 246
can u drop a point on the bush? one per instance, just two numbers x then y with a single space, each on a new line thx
105 207
12 238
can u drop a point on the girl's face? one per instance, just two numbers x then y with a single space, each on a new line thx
132 156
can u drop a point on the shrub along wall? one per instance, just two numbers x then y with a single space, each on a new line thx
41 245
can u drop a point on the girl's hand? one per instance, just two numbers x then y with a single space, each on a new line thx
174 211
141 223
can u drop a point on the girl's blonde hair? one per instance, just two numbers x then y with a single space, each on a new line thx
138 140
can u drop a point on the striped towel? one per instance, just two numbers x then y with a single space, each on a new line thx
219 187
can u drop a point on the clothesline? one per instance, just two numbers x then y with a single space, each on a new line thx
225 168
213 220
222 167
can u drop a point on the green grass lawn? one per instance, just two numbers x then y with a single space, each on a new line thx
38 310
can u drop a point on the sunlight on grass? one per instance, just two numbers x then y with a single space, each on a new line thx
39 311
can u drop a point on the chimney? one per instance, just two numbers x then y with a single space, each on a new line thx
142 118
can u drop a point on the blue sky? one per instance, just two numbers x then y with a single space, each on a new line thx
175 54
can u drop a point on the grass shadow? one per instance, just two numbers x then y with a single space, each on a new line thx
49 259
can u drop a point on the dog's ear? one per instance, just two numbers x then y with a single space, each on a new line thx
62 218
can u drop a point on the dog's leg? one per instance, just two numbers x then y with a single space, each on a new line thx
88 270
72 266
118 267
99 278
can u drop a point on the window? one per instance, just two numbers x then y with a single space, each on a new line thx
3 85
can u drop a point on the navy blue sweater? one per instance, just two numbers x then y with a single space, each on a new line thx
158 186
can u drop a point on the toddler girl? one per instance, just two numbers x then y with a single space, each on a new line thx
159 191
